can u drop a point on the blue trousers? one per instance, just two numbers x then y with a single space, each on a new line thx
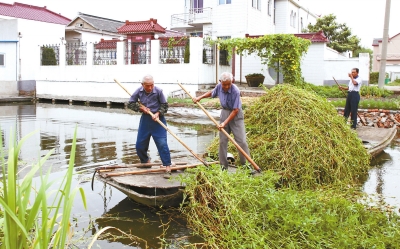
150 128
353 98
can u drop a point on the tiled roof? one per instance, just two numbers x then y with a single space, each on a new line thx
30 12
376 41
149 26
313 37
101 23
106 44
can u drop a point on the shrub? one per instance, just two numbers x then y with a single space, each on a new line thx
48 57
373 77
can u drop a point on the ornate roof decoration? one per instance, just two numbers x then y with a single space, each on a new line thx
140 27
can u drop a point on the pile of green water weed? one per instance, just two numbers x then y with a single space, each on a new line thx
300 135
233 210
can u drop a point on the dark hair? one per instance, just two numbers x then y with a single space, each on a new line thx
355 69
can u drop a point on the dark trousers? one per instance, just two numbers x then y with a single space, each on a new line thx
150 128
353 98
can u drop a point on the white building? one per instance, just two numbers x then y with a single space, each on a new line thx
24 28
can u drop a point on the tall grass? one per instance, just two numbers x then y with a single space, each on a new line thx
33 222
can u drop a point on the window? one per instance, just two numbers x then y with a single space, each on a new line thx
269 7
224 1
291 18
2 60
256 4
294 20
301 24
197 4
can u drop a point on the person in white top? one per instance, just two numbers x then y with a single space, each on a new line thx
353 97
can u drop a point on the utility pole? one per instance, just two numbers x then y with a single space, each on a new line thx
382 69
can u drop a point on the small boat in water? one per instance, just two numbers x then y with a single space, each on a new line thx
375 140
146 185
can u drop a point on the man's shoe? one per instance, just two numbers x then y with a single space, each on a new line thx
144 166
167 175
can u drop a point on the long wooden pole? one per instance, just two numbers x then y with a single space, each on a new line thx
137 165
165 127
137 172
255 166
345 96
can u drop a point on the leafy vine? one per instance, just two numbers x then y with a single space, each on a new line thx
282 52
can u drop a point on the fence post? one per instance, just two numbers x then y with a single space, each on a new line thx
155 52
196 50
61 56
120 53
89 54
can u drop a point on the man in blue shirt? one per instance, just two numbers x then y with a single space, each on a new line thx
353 97
231 118
153 100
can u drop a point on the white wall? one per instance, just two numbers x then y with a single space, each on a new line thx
98 80
340 68
9 49
312 65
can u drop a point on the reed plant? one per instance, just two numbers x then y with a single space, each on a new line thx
30 221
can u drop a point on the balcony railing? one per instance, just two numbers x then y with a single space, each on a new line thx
389 57
198 16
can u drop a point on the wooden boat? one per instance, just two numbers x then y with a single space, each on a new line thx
375 140
146 186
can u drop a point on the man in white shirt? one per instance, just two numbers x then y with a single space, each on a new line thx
353 97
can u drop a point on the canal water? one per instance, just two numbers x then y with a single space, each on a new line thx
107 136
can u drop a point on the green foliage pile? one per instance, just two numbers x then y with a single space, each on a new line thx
233 210
300 135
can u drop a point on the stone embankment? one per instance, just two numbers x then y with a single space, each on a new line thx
378 118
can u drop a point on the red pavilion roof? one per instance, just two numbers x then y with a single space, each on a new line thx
31 12
149 26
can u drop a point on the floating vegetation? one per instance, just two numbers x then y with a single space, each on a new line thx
233 210
299 135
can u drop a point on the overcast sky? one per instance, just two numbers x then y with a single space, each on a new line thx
364 17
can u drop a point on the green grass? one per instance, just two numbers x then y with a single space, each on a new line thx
29 220
387 104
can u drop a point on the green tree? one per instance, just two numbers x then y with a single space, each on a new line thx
48 56
339 35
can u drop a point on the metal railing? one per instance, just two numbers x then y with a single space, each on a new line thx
137 53
208 52
172 50
75 53
49 55
105 53
198 15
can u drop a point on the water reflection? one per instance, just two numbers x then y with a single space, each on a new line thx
383 184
